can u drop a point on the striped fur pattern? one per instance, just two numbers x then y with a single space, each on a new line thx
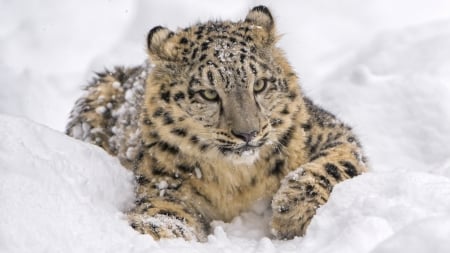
216 122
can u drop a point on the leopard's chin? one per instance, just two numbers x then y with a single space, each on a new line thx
246 154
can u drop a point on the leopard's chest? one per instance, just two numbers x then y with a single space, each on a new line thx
231 191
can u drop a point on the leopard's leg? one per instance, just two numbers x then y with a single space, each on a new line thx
168 207
162 217
335 158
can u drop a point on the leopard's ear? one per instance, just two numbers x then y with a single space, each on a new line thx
158 44
261 17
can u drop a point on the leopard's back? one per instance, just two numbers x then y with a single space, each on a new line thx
107 114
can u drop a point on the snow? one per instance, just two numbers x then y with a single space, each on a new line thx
57 192
382 66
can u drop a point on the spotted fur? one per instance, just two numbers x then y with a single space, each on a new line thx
216 122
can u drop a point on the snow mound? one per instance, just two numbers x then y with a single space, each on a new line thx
59 194
433 237
369 209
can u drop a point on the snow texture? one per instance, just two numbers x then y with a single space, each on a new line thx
382 66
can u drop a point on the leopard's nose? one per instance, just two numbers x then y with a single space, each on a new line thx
247 137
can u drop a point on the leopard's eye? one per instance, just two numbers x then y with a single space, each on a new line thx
210 95
260 85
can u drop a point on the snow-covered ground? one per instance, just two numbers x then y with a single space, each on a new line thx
381 65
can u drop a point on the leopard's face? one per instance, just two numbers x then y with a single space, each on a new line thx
228 83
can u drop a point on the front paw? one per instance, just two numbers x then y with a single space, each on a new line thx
295 204
161 226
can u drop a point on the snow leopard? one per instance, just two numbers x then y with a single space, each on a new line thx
214 121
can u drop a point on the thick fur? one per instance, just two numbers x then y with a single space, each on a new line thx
216 122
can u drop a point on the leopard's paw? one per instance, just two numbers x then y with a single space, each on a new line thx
295 204
161 226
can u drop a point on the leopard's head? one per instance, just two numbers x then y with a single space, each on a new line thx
222 87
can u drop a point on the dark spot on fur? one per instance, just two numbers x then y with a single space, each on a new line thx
178 96
333 137
331 145
324 182
169 213
350 169
210 78
194 53
306 126
168 119
158 171
183 40
204 46
242 58
179 132
142 180
332 170
193 81
313 146
202 57
186 168
166 147
318 155
159 112
194 139
277 168
165 96
150 145
191 93
285 110
309 189
287 136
